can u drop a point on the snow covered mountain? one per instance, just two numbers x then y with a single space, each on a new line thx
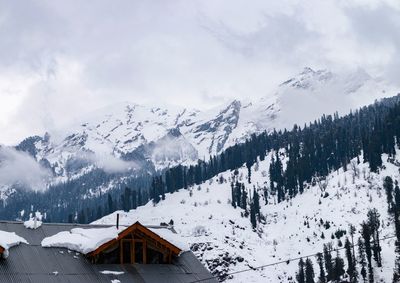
224 240
127 137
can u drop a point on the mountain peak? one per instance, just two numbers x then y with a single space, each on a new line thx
307 70
306 78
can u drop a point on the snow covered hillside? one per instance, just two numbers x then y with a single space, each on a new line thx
225 242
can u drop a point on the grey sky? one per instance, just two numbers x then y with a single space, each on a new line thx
59 58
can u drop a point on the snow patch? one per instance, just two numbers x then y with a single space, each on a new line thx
171 237
107 272
8 240
34 222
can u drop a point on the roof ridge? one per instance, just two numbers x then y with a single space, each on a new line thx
58 224
168 227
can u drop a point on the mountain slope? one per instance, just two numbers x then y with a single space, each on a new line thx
225 242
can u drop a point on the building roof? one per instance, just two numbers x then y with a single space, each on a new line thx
33 263
147 231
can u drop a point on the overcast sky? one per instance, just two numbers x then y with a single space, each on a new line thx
61 58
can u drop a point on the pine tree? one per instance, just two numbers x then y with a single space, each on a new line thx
253 218
396 272
244 198
134 200
300 276
328 261
309 271
126 203
351 268
82 217
265 195
248 165
362 259
162 188
238 194
280 192
140 198
233 195
110 204
99 213
366 234
338 267
397 198
374 224
320 260
352 231
70 218
388 185
256 203
156 189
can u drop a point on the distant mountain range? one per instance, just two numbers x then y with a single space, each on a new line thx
128 138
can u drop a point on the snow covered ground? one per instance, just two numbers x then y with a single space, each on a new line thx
225 242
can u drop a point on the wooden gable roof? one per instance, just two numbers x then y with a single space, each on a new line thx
131 229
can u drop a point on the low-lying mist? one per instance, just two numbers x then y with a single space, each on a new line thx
20 168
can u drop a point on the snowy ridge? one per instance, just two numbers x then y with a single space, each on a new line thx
225 242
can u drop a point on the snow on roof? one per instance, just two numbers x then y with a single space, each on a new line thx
171 237
82 240
8 240
35 221
32 224
88 240
108 272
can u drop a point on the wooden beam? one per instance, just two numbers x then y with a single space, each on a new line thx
121 252
169 257
165 256
132 243
155 248
144 251
134 251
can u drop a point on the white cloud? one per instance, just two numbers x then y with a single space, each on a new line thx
111 164
107 162
59 59
20 168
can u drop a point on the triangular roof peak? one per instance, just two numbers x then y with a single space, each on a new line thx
133 231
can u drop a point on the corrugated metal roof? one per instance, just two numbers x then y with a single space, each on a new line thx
33 263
